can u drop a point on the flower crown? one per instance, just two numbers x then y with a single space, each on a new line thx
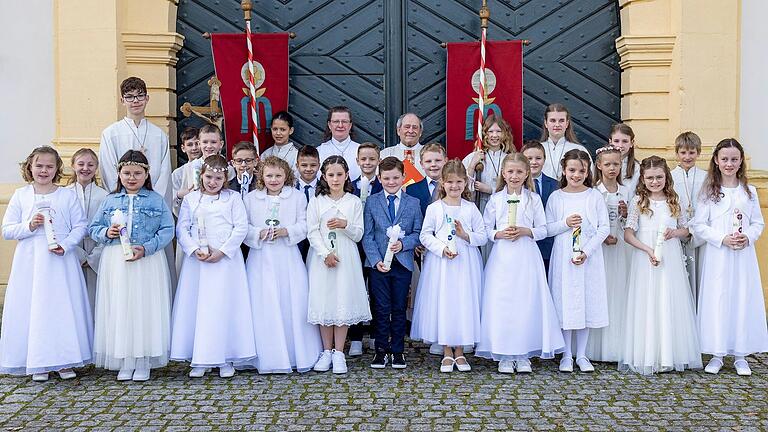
133 163
608 148
216 170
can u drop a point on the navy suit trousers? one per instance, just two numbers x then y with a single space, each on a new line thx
389 292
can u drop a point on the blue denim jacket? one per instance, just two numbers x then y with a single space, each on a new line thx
152 220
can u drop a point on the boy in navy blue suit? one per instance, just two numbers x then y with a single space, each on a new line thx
307 164
390 284
364 186
534 151
432 158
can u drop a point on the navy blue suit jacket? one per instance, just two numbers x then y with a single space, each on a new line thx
376 221
548 185
420 190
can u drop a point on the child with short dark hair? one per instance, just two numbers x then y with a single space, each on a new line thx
543 186
190 146
244 159
307 166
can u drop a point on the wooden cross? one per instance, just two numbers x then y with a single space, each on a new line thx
211 113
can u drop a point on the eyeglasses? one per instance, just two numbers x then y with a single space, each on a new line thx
340 122
139 97
243 161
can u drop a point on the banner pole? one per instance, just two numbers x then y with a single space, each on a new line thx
485 14
245 5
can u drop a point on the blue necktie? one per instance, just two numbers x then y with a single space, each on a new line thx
391 207
538 186
433 195
306 191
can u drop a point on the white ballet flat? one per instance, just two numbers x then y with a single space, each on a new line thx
197 372
67 374
566 364
742 367
714 365
141 375
227 371
507 366
462 367
125 375
584 364
523 366
446 368
40 377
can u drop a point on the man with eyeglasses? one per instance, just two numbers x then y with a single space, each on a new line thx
338 133
409 129
135 132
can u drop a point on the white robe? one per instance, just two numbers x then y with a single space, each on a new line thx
579 291
346 149
554 153
398 151
88 251
688 187
731 309
630 183
288 152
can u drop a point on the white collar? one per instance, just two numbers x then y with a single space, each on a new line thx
334 141
560 141
131 123
302 183
405 147
396 195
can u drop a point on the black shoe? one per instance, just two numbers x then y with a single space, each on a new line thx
380 361
398 361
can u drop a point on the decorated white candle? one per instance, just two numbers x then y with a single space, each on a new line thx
245 183
394 236
576 242
612 202
364 185
738 222
657 250
452 235
44 208
512 202
201 234
273 221
118 218
196 177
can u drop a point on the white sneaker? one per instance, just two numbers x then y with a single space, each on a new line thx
40 377
197 372
324 362
566 364
227 371
742 367
66 374
355 348
507 366
584 364
141 375
125 375
339 362
436 349
714 365
523 366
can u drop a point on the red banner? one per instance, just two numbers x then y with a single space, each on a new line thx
270 66
504 91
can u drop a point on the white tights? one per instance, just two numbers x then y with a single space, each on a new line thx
582 335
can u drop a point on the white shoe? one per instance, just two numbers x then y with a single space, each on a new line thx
197 372
584 364
714 365
40 377
141 375
566 364
436 349
507 366
742 367
465 367
446 368
355 348
125 375
227 371
324 362
339 362
67 374
523 366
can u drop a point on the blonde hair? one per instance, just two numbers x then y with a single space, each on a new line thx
454 167
609 149
688 140
274 162
501 183
26 166
507 139
82 152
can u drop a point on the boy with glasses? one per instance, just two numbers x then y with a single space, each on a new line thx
244 161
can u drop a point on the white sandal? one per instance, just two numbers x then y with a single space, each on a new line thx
446 368
462 367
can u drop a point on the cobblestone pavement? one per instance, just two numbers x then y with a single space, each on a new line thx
419 398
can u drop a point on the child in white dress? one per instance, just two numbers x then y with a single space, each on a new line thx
731 304
277 277
337 295
578 218
85 164
132 331
605 343
688 182
661 333
623 137
447 309
518 318
211 324
47 322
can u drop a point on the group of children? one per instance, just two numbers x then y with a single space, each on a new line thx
279 257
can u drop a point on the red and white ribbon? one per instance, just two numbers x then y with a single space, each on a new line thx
481 93
251 84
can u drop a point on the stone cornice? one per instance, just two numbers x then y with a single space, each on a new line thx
152 48
644 51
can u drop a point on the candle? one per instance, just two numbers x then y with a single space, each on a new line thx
737 222
612 202
118 218
452 235
333 242
273 222
364 184
44 208
196 177
201 235
394 235
576 242
512 202
245 184
657 250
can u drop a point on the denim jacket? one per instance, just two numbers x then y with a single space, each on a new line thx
152 220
